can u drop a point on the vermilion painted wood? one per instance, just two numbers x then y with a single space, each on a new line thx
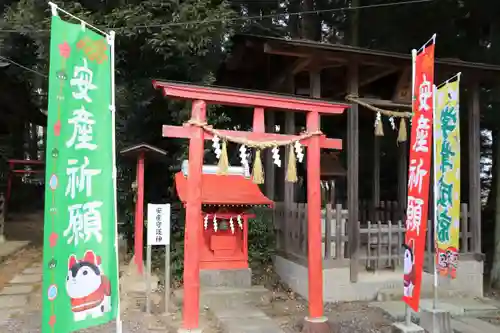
258 101
192 234
259 122
315 261
248 194
224 96
12 164
28 171
139 214
239 259
184 132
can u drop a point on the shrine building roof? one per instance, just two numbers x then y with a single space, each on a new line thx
236 190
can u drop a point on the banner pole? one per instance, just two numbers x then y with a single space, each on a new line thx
435 197
54 7
431 40
413 64
111 41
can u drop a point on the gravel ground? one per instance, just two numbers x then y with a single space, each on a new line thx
289 310
134 321
282 305
350 317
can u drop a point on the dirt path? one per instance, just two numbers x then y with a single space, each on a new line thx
16 263
289 310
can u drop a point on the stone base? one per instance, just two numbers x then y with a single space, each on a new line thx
316 325
184 330
436 321
235 278
337 284
403 328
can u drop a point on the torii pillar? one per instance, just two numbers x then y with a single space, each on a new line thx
140 151
200 96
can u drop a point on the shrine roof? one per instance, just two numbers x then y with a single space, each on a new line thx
149 150
289 46
224 190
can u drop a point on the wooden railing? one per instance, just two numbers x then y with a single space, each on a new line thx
380 242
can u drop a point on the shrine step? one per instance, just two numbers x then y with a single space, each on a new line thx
236 314
395 294
472 325
248 295
233 278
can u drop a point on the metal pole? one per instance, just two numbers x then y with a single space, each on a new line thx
435 197
407 316
56 8
413 57
148 279
111 42
167 277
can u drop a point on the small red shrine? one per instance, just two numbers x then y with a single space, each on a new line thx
197 195
226 200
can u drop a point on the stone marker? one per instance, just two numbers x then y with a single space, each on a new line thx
403 328
436 321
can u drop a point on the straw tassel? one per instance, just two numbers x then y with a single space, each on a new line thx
291 170
223 166
402 130
258 171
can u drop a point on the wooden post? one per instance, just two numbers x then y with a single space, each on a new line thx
353 171
474 166
289 187
2 218
190 311
376 178
315 261
167 277
139 215
9 183
289 194
402 178
149 250
270 171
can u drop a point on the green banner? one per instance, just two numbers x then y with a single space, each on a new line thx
80 271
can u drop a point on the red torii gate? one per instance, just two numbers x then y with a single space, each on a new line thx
201 95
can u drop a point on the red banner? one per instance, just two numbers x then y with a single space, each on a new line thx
419 173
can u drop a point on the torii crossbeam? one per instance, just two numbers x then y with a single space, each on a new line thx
200 96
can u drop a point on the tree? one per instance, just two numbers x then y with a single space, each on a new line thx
152 42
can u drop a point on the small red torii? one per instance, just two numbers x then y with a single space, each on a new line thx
200 96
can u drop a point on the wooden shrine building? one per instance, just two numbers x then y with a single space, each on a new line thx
365 216
226 203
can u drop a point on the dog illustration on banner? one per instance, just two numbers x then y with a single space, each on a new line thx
408 270
448 261
88 288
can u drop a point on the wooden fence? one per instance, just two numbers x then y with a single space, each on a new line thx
380 241
369 211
